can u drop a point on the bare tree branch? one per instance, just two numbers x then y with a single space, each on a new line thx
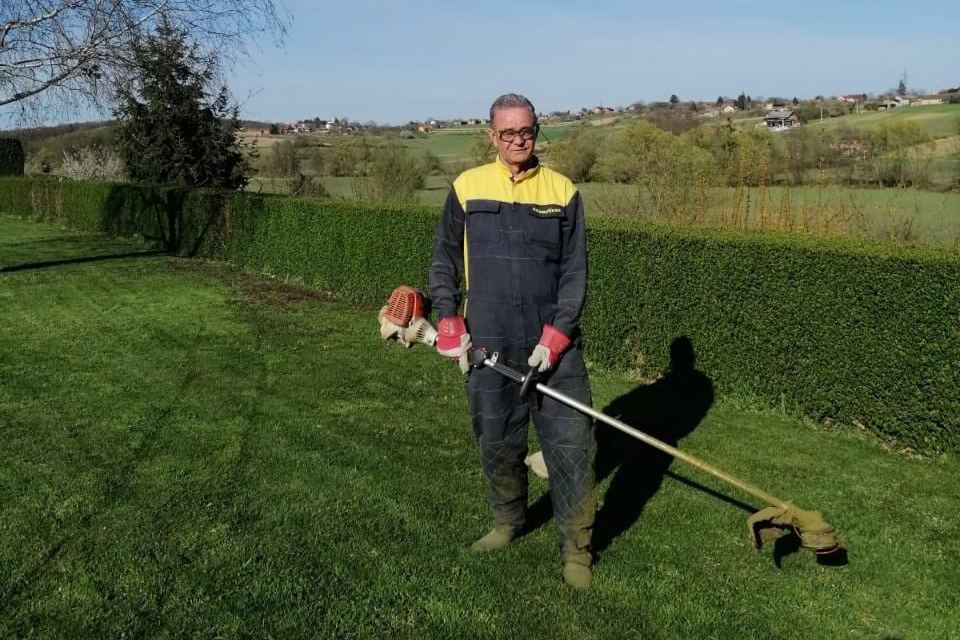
82 47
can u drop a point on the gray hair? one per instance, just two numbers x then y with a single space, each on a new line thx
510 100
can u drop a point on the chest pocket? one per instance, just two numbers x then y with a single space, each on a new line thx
483 221
543 224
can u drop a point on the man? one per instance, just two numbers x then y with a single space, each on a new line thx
514 231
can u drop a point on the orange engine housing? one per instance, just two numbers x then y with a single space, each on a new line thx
404 305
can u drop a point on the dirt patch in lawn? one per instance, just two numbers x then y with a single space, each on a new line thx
255 289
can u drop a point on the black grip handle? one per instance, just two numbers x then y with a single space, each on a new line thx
529 382
480 358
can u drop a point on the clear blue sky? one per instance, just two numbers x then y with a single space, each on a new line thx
392 62
397 61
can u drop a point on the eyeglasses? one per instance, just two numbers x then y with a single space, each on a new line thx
525 135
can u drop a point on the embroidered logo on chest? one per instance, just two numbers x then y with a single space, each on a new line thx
548 211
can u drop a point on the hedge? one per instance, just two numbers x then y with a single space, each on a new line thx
837 330
11 157
184 221
834 330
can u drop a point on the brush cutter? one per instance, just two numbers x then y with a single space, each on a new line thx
399 319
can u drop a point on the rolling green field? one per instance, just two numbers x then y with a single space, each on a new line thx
939 120
191 451
910 215
457 145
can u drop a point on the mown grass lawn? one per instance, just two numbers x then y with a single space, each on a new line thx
190 451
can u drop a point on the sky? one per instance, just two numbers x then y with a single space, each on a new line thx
392 62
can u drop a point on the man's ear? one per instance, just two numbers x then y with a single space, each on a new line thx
492 136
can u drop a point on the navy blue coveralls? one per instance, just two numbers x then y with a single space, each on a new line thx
519 243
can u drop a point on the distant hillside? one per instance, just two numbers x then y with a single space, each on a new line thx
46 145
35 137
940 120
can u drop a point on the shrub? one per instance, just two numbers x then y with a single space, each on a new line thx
343 158
307 186
481 151
576 155
895 153
284 161
432 164
395 176
11 157
673 175
92 163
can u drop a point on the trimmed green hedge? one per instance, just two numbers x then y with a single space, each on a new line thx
188 222
359 253
836 330
11 157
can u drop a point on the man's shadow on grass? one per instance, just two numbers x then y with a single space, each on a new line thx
668 409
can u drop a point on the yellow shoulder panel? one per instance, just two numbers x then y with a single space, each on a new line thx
547 187
488 182
481 183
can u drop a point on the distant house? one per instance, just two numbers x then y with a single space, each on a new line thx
853 98
781 120
601 110
933 98
892 102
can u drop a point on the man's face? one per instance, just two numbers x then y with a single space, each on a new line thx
513 133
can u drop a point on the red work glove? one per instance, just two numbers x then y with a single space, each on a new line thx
453 341
548 351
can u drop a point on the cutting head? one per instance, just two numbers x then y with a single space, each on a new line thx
814 532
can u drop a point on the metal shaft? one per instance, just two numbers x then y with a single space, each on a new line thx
755 491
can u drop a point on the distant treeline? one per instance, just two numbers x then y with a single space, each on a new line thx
890 154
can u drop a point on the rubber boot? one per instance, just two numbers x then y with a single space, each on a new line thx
576 571
498 537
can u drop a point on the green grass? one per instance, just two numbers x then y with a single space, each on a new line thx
928 216
434 191
190 451
455 146
939 120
